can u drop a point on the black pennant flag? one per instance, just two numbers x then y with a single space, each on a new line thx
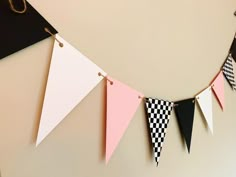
19 31
233 49
184 111
158 112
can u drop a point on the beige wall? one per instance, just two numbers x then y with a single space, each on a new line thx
165 49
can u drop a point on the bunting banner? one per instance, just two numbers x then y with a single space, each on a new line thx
71 77
204 100
218 89
184 111
228 70
158 113
19 31
122 103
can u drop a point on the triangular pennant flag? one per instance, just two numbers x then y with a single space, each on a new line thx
184 111
205 102
228 71
19 31
233 48
122 103
71 77
218 88
158 112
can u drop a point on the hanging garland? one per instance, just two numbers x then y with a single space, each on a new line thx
72 76
68 63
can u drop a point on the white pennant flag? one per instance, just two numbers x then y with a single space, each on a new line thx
71 77
204 100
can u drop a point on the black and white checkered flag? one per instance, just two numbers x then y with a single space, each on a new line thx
228 71
158 112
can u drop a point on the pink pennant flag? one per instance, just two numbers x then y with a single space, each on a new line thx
122 103
218 88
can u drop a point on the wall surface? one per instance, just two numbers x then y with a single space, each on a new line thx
165 49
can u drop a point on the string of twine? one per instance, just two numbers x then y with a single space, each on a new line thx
18 11
48 31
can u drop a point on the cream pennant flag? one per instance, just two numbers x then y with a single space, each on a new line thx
218 88
204 100
71 77
122 103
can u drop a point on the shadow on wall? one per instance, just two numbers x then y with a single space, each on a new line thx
103 122
40 101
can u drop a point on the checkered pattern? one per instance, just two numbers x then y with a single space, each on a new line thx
158 112
228 71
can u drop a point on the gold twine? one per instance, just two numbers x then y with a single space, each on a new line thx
48 31
18 11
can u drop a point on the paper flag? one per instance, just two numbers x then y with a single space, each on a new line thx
233 49
122 103
71 77
19 31
228 71
204 100
158 112
184 111
218 88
